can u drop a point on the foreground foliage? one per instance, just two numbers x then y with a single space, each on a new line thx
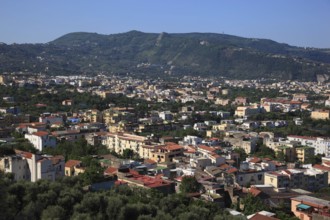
66 199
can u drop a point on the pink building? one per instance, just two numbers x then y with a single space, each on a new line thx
309 208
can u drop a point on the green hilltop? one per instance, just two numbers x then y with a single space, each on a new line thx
204 54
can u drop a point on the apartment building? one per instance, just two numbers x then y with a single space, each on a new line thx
304 154
320 114
41 139
166 153
243 111
51 119
118 142
32 167
93 115
308 208
320 144
299 97
309 179
247 144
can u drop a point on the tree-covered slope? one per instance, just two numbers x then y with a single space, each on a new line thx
191 53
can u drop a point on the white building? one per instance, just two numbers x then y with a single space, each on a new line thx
166 116
41 139
327 103
191 140
321 145
32 167
51 119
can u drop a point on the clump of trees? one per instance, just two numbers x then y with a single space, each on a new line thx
76 150
66 199
189 184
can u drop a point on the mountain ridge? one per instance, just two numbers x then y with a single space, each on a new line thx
158 53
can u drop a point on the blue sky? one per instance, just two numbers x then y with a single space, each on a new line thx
296 22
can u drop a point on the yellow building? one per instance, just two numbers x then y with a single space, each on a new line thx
3 80
73 168
320 114
212 133
304 153
111 117
242 111
115 115
223 127
104 94
93 115
309 179
118 142
96 116
277 179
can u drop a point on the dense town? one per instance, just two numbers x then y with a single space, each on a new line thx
218 140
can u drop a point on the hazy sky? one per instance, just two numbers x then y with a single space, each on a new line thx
296 22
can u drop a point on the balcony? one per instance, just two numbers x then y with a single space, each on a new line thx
311 211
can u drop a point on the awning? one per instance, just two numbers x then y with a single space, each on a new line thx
303 206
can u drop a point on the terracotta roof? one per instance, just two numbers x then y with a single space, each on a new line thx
149 161
255 160
21 126
263 217
295 102
224 166
207 148
254 191
215 155
302 137
110 170
232 170
173 146
67 132
40 133
151 182
321 167
24 153
72 163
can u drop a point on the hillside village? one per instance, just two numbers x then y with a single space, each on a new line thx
237 138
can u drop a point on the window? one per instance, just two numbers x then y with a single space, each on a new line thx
259 177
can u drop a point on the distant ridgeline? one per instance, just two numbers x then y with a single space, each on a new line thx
203 54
